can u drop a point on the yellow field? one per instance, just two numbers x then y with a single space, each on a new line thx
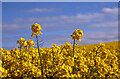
95 60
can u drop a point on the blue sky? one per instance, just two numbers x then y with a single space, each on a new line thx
98 20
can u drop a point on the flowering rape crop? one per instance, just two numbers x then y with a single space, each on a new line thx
67 60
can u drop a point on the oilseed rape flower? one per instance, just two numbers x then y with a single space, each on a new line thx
102 45
106 62
67 45
36 29
16 49
30 43
77 34
22 42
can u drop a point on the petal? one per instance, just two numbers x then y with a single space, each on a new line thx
40 32
79 40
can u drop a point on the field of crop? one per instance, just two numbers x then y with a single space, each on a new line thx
67 60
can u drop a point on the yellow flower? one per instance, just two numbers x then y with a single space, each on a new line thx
36 29
30 43
102 45
32 35
22 39
25 43
76 44
54 45
67 45
16 48
22 42
77 34
79 40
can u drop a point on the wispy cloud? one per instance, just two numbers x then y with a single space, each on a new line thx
88 38
103 35
78 18
64 21
110 10
14 26
105 24
41 10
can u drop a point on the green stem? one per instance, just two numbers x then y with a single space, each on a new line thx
61 50
39 54
73 56
38 45
97 50
20 50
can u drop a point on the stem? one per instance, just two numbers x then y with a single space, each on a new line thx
20 50
73 47
61 50
97 50
73 56
39 54
38 45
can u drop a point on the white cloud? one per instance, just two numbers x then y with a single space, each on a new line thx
110 10
11 26
105 24
102 35
78 18
64 21
14 26
99 36
40 10
88 38
55 23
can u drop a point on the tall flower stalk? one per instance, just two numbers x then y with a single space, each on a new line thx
73 56
39 54
77 34
36 31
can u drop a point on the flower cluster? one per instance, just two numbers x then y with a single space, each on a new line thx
23 43
106 60
77 34
36 29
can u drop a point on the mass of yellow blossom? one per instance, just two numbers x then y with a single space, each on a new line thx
91 62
